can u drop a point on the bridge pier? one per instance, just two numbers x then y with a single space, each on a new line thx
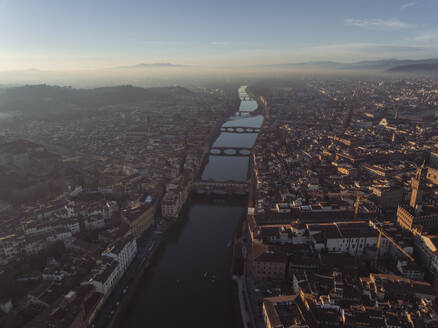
240 129
243 112
226 187
235 151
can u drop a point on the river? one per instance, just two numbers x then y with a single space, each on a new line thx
189 284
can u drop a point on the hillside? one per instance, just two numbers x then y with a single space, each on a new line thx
28 171
45 99
153 65
380 65
416 68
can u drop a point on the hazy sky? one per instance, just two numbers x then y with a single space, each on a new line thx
72 34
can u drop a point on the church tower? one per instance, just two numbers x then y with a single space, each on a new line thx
417 186
356 205
414 217
148 126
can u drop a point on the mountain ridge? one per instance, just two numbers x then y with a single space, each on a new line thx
151 65
415 68
382 64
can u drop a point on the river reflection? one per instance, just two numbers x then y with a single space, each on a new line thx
190 284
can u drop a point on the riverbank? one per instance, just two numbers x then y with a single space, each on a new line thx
214 136
192 267
126 291
242 245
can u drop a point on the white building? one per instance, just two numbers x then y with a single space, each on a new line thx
72 225
111 208
94 222
343 237
171 204
123 251
33 227
62 234
34 245
53 275
104 278
9 247
427 247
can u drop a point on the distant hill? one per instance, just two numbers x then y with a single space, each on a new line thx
142 65
416 68
25 157
381 65
28 172
386 64
51 99
314 64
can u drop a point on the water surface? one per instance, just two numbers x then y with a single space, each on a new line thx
189 285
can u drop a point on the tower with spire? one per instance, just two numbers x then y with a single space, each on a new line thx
148 126
417 186
414 216
356 205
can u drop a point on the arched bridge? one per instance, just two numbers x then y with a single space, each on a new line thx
243 112
240 129
225 187
230 151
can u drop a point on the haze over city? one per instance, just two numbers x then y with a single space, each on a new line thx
61 35
220 164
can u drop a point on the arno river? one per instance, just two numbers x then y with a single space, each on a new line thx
189 284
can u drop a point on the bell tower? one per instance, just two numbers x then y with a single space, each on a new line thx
148 126
417 186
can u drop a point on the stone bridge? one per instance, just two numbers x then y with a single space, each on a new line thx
230 151
225 187
240 129
244 112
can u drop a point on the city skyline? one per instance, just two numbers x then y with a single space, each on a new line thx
264 163
53 35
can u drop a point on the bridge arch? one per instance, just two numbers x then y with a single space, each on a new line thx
228 187
230 151
240 129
